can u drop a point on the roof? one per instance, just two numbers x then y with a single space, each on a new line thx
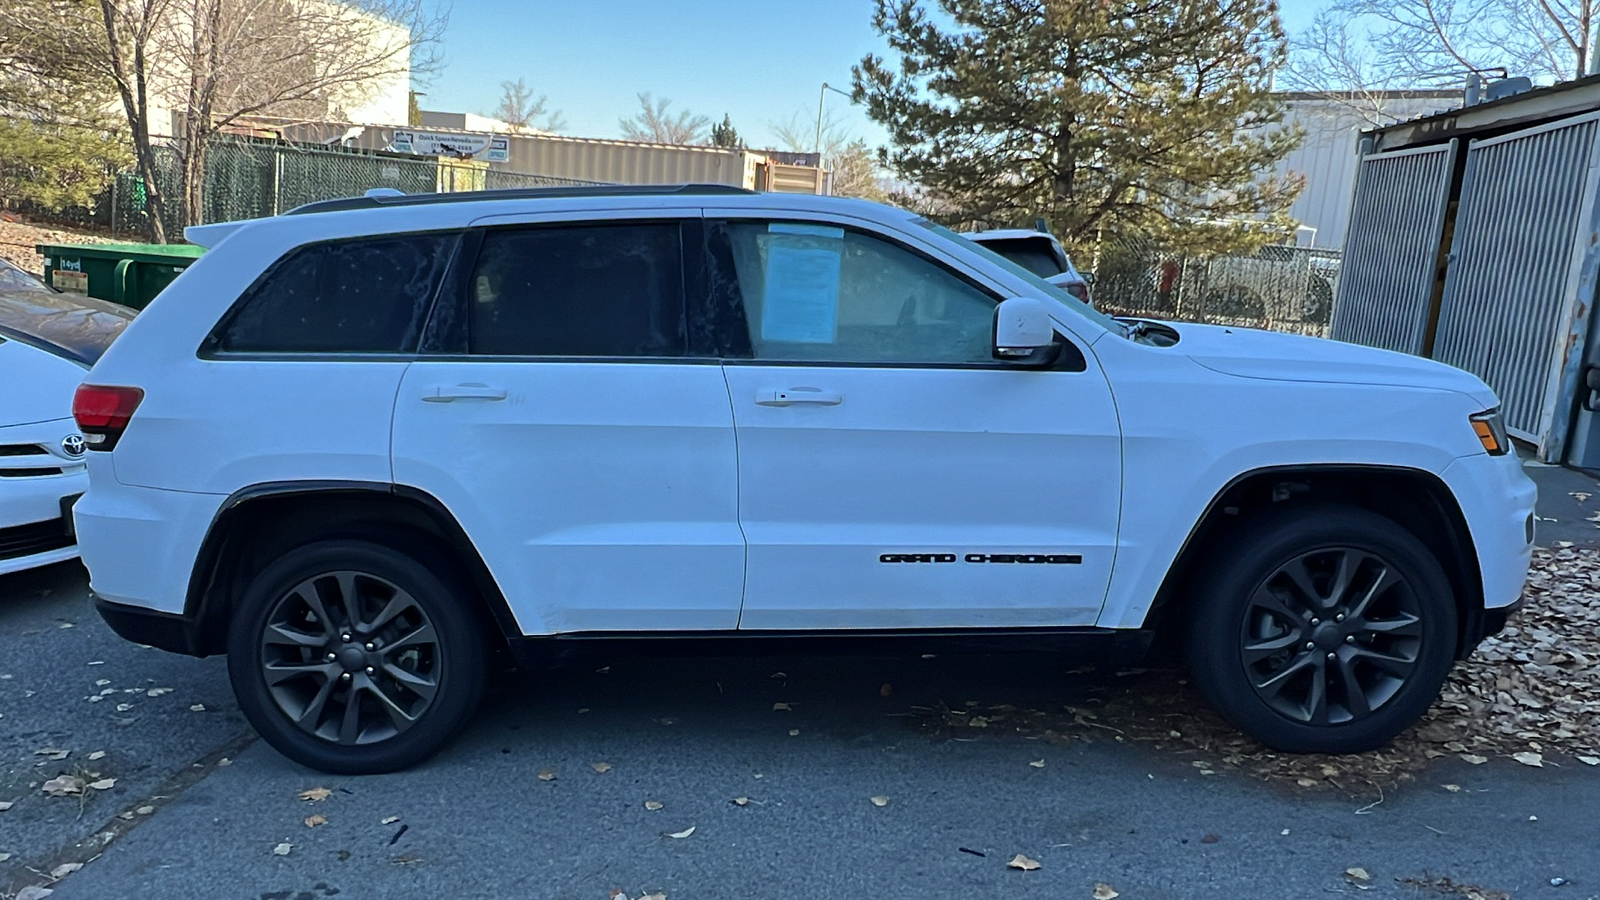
1498 116
379 201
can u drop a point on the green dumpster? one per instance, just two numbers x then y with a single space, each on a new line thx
128 274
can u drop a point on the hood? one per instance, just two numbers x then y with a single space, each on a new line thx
49 383
1251 353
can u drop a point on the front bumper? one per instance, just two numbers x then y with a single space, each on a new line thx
162 630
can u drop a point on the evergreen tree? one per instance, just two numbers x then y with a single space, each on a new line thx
1124 117
725 135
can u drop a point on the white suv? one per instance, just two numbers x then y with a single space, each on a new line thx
360 446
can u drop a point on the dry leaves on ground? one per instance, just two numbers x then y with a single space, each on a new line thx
1528 693
547 775
18 240
62 785
1103 891
679 834
1022 862
879 800
654 805
282 849
600 768
314 821
316 794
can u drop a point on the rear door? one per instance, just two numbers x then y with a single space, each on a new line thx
563 412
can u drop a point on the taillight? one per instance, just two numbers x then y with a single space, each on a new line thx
1080 290
103 412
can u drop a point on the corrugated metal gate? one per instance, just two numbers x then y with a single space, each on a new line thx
1392 248
1511 289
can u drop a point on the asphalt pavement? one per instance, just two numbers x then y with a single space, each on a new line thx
780 800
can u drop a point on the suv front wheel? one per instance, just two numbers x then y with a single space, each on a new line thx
1325 629
351 657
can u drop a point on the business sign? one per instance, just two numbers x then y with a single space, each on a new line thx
452 145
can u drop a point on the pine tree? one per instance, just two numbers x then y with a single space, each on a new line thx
1115 117
725 135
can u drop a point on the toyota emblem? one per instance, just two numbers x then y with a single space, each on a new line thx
73 445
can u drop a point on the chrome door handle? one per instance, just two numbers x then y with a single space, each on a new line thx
797 396
451 393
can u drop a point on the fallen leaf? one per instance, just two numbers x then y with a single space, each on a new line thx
1581 495
62 785
600 768
104 784
282 849
779 675
680 834
602 670
145 810
886 690
778 706
388 820
124 707
1474 758
1589 760
653 805
52 753
316 794
4 857
224 762
1356 873
98 754
1452 788
1022 862
793 732
101 682
34 892
314 821
657 896
547 775
1103 891
65 869
1211 839
198 707
406 859
5 805
741 801
1037 764
1529 759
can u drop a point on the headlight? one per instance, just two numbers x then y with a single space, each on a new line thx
1491 430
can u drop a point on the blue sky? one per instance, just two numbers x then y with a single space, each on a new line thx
760 63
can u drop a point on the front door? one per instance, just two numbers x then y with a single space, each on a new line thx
892 473
568 422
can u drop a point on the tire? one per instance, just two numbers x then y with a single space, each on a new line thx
415 662
1250 618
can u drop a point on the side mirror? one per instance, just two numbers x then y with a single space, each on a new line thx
1022 328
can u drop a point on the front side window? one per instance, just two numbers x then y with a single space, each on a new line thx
611 290
816 292
361 296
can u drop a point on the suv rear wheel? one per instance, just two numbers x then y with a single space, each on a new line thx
1323 629
351 657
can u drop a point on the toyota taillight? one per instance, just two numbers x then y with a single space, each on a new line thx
103 412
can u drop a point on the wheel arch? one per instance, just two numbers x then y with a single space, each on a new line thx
1416 499
262 520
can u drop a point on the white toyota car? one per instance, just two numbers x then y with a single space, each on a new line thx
360 446
48 340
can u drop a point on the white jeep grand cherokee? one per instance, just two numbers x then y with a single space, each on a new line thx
359 446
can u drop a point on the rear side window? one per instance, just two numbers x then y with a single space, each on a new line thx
362 296
579 290
1034 254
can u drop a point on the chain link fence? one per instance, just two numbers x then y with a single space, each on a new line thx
1279 287
252 178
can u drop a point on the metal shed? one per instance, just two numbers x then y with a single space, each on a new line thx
1475 240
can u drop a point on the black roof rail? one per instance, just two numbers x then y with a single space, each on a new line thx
380 201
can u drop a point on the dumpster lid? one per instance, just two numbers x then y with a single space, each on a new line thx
148 253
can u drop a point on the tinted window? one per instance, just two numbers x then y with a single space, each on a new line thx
816 292
364 296
1034 254
72 326
588 290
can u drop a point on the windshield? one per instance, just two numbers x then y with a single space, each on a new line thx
1060 294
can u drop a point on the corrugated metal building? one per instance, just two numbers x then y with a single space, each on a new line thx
1476 241
607 161
1326 158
